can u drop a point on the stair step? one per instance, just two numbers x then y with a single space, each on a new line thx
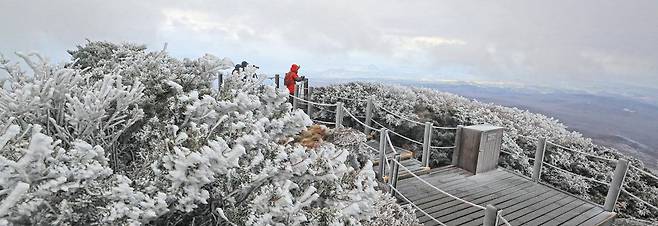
405 155
412 165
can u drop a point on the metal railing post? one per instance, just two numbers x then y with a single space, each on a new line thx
305 88
427 142
382 152
539 159
294 99
309 106
490 216
458 142
339 115
276 80
393 174
615 186
368 122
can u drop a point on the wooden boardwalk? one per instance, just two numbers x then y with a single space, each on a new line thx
454 196
523 202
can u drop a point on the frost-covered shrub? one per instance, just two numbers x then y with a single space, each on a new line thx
47 184
445 109
121 135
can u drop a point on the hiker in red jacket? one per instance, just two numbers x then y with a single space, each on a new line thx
291 78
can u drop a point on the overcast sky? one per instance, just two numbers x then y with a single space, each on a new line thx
557 43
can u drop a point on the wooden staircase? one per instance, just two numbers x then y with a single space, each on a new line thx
407 158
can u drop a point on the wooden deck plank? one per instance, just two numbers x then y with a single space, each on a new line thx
556 213
495 198
531 192
599 219
508 193
546 209
583 217
425 194
536 207
441 177
571 214
438 197
518 204
431 173
446 207
413 185
448 173
478 192
457 188
523 202
444 180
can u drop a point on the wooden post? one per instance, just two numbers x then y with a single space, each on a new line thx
539 159
294 99
382 152
458 141
427 142
490 216
276 80
393 175
339 115
615 186
220 80
368 122
309 106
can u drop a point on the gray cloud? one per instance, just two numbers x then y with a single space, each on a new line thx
558 43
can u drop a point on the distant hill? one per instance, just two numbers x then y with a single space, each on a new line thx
625 124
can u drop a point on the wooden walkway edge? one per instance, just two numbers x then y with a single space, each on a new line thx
522 201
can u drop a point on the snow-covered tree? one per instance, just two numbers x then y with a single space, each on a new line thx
121 135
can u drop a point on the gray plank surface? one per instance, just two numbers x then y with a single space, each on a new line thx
555 213
454 187
524 197
462 210
523 202
571 214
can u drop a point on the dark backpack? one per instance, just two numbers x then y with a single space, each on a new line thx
288 79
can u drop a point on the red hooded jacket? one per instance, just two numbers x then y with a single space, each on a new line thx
290 78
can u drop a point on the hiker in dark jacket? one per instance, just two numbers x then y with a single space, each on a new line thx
241 67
